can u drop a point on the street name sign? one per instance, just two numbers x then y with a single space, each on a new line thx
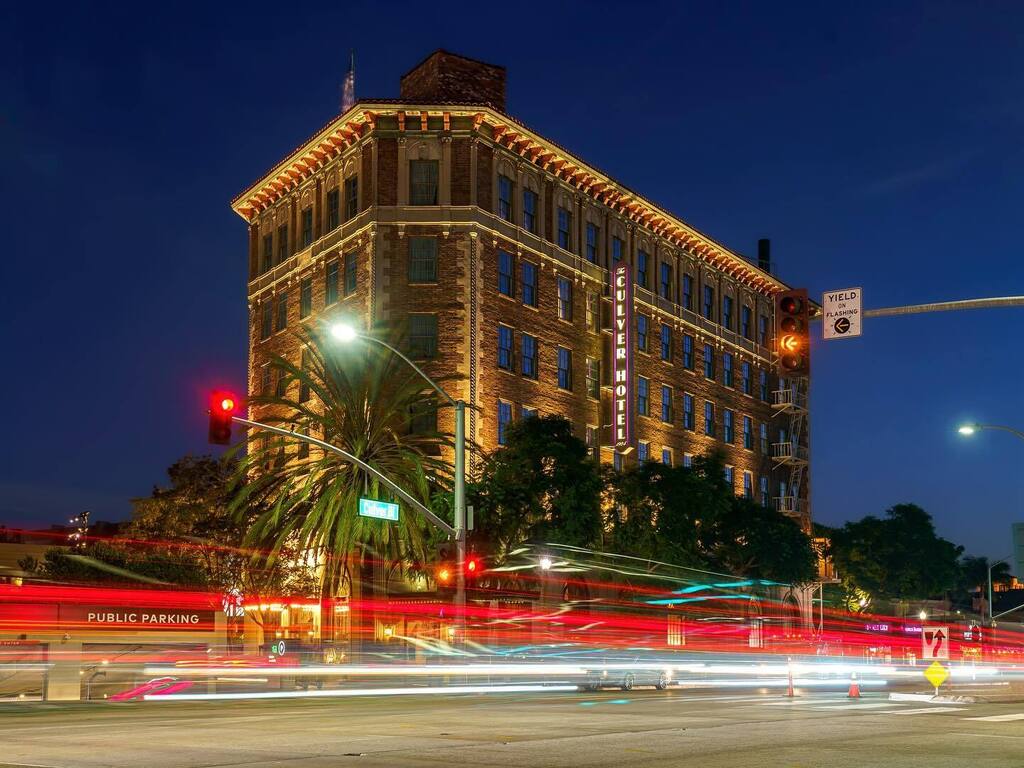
382 510
935 643
841 313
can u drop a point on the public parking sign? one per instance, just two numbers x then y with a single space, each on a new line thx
934 643
841 313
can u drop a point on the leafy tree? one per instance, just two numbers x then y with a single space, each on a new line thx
543 485
762 543
896 557
368 402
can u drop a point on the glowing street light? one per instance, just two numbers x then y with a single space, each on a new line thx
345 332
967 429
922 615
545 563
970 429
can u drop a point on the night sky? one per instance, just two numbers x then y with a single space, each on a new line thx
879 149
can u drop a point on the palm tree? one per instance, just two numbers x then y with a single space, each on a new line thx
368 402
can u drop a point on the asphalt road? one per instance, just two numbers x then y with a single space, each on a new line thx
641 728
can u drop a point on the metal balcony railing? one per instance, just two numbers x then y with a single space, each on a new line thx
789 505
789 453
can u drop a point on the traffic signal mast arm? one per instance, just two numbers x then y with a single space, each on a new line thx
942 306
433 518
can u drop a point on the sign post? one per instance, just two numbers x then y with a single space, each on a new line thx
841 313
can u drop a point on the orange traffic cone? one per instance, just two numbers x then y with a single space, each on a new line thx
854 687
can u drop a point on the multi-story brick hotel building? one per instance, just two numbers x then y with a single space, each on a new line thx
497 249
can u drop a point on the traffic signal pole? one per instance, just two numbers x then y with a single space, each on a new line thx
460 515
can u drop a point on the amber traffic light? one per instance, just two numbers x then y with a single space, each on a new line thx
223 405
792 337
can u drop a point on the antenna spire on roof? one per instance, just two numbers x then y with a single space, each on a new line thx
348 87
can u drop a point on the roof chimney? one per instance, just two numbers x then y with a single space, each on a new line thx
445 77
764 255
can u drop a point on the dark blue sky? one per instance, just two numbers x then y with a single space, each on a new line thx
877 147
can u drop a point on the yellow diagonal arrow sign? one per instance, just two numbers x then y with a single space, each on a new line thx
936 674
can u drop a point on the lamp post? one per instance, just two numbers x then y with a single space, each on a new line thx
967 430
347 333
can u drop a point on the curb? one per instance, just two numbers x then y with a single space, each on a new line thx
933 699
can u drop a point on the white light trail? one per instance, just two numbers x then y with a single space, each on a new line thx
364 692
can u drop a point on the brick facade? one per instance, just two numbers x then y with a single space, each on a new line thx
469 307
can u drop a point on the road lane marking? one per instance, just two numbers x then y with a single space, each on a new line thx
998 718
928 711
986 735
826 708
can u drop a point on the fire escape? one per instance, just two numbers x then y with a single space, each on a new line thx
790 405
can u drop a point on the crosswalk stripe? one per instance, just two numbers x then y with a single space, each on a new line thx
928 710
857 706
998 718
796 702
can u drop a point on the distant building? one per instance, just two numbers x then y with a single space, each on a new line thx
497 249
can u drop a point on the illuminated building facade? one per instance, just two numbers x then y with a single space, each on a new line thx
495 248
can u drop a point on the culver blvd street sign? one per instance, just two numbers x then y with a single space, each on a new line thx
382 510
841 313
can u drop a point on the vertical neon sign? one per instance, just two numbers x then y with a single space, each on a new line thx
622 359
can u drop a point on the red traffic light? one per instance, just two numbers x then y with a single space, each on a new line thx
474 566
222 406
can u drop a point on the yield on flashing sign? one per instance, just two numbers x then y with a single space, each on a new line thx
841 313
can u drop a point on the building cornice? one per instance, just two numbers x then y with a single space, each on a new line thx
350 127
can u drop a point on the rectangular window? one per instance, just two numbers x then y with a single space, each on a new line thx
351 197
709 302
593 445
506 274
423 417
505 348
564 368
280 383
727 369
422 336
745 329
783 488
727 312
331 283
282 312
641 332
423 182
591 252
266 320
762 384
688 352
422 259
529 362
527 412
564 299
302 452
504 419
748 433
641 268
616 250
305 364
764 438
762 330
305 297
333 210
688 417
564 228
643 451
594 378
688 292
765 501
529 283
266 376
730 475
666 457
709 362
748 485
709 418
307 227
282 243
665 287
593 312
643 403
505 197
618 461
730 429
350 274
530 210
666 404
745 379
268 253
666 342
687 460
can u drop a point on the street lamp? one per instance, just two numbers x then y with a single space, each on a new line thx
346 333
969 429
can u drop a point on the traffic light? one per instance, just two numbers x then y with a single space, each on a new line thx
792 336
444 571
223 406
474 566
